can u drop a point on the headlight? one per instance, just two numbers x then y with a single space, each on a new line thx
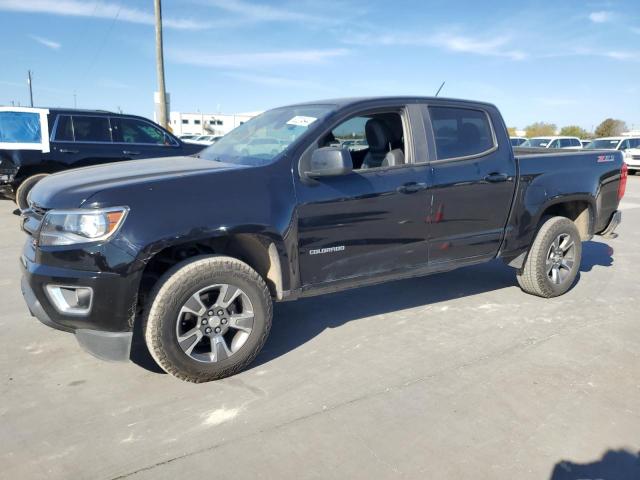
67 227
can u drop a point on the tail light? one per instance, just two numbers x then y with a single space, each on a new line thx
623 181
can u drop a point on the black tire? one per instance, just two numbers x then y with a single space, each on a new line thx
22 192
176 288
536 278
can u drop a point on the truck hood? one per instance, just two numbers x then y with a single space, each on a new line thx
72 188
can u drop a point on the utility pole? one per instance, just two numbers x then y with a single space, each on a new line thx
162 108
75 103
30 87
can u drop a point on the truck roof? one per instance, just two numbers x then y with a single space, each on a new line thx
344 102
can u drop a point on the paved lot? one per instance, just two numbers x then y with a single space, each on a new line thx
459 375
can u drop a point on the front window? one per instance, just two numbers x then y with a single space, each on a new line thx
604 144
131 130
20 127
258 141
537 142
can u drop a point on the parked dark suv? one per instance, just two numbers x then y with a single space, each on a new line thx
35 142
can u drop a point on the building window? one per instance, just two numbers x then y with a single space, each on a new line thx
196 122
185 121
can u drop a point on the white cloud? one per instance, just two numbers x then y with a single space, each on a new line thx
265 13
257 59
495 47
454 42
79 8
46 42
602 16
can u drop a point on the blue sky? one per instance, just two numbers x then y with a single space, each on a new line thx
563 62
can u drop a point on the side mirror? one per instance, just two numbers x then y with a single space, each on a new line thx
330 162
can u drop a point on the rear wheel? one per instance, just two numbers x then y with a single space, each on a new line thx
554 259
22 192
208 318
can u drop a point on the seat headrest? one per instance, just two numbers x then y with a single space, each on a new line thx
378 135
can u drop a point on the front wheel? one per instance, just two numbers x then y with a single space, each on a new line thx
22 192
208 318
554 259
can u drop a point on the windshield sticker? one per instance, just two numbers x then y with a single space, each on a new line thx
301 121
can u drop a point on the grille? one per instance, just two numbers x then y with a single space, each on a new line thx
635 157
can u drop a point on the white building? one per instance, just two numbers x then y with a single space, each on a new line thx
206 123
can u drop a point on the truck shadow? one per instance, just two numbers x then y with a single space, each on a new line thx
614 464
295 323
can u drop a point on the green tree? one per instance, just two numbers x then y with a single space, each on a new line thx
574 131
512 131
610 128
540 129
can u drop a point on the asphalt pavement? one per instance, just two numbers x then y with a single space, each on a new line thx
456 375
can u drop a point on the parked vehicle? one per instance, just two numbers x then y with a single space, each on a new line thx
188 137
35 142
355 145
205 139
571 143
262 146
630 146
198 249
584 143
517 141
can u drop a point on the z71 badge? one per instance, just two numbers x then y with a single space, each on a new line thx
606 158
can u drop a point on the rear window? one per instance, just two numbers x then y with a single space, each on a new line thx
460 132
91 129
64 129
20 127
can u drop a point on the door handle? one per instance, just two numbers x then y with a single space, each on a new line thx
130 152
496 177
412 187
67 150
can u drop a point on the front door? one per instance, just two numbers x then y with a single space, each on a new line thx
372 220
138 138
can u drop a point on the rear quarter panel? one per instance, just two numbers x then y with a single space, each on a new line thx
552 178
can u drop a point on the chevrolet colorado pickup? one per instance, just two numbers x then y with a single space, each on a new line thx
198 249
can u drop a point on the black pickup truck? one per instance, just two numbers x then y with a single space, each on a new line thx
35 142
198 249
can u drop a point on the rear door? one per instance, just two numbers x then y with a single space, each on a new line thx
81 140
138 138
473 182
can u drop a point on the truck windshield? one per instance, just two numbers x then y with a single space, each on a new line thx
20 127
258 141
604 144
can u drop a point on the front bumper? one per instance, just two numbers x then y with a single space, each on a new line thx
106 330
110 346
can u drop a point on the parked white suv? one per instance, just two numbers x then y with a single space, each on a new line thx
629 145
572 143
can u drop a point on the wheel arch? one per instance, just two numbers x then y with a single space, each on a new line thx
581 209
262 252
